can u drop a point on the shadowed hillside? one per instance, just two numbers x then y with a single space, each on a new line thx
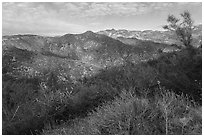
87 51
51 81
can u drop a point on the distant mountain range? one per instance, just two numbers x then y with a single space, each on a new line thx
156 36
81 55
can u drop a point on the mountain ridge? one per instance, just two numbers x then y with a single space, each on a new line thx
76 53
153 35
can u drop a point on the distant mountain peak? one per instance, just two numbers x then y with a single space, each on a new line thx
88 33
153 35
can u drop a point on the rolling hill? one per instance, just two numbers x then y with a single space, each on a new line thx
78 55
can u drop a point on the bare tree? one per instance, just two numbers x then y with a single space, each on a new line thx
183 28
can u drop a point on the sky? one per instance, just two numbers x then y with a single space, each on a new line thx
60 18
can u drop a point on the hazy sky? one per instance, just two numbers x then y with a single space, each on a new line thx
61 18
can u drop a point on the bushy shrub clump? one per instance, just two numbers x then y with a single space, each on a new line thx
181 72
23 103
127 115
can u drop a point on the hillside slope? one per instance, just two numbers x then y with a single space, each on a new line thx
50 80
79 54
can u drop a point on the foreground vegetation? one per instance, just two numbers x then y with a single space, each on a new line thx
161 96
167 113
